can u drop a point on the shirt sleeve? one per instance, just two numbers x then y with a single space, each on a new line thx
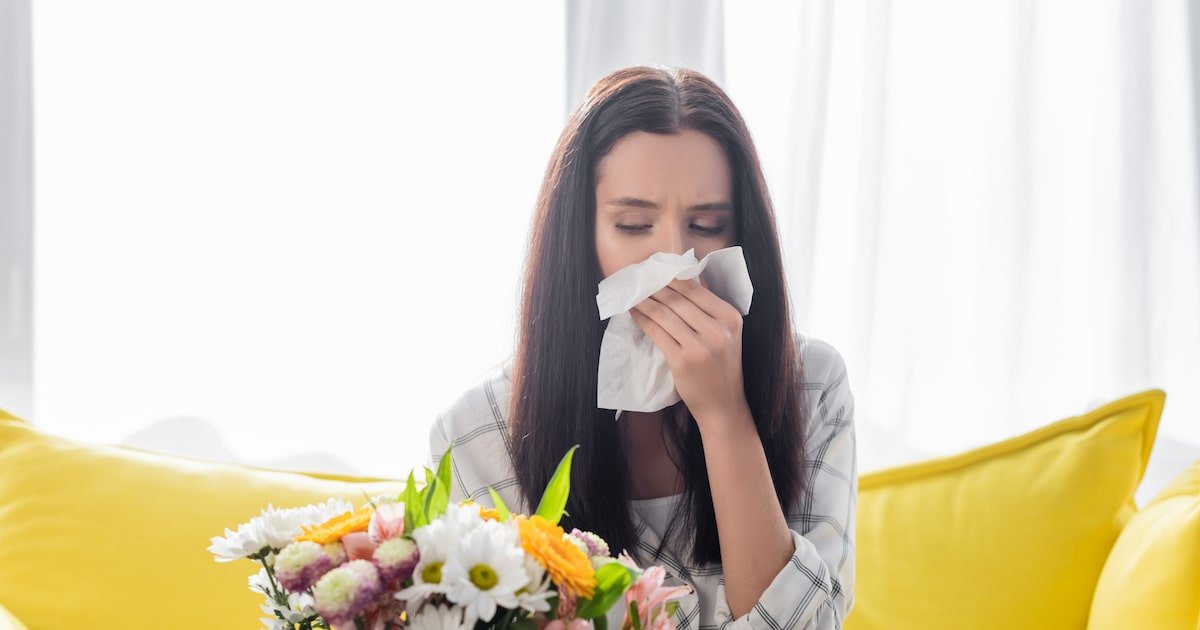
815 589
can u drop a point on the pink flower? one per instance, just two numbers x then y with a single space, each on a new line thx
359 546
651 597
575 624
387 521
566 615
566 605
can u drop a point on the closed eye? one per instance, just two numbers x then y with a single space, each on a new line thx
637 229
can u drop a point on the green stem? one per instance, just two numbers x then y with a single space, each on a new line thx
280 598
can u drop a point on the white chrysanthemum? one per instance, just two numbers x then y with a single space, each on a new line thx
486 572
261 582
462 519
534 595
273 528
300 605
435 542
441 617
286 524
249 539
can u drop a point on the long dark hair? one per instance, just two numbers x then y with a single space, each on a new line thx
554 369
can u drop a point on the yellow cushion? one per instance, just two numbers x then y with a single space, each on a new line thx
1010 535
8 621
105 536
1152 576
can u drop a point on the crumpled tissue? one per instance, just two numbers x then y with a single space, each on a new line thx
633 372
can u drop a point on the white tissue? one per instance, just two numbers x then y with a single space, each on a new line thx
633 372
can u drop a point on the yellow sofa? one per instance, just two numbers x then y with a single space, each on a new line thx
1018 534
1039 531
98 536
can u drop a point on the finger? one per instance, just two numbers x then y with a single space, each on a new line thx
706 300
701 322
660 337
668 319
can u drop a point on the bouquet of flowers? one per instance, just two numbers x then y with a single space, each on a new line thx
417 560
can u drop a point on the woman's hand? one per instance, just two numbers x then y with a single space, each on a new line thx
700 335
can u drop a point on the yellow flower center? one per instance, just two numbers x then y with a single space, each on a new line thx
483 577
432 573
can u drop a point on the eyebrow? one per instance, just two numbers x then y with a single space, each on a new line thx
634 202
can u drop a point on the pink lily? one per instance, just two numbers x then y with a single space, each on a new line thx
651 597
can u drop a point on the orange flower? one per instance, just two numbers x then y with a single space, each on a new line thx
567 564
484 511
333 529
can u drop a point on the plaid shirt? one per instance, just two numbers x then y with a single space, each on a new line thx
815 589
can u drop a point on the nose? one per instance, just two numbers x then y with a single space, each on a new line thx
674 240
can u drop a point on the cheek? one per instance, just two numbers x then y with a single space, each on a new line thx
615 253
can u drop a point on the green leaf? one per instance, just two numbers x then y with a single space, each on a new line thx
600 623
554 499
427 495
428 475
440 489
412 508
444 477
672 606
501 508
441 497
444 467
612 580
633 616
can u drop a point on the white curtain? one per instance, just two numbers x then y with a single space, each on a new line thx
606 35
287 233
988 207
16 210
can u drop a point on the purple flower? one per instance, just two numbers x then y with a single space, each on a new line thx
346 591
300 564
396 558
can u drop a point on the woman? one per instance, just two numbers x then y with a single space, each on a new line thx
745 489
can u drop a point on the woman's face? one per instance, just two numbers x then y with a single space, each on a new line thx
662 193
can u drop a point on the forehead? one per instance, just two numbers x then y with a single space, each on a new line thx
688 164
